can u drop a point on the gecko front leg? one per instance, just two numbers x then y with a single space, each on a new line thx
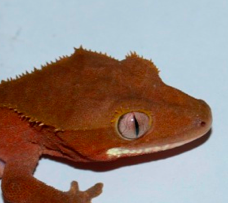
19 185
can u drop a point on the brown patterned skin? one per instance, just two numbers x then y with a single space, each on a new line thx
71 109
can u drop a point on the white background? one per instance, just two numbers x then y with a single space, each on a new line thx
187 40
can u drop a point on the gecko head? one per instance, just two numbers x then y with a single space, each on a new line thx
158 117
138 114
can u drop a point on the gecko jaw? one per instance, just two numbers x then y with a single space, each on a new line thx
121 151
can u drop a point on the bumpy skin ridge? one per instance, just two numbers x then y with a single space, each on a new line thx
45 84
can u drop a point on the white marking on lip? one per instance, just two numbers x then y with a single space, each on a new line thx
120 151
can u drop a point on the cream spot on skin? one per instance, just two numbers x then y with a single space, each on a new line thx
118 152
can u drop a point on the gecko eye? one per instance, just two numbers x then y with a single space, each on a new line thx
133 125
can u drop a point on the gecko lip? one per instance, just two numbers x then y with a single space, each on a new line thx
119 152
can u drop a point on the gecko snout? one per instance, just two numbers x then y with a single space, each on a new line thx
204 117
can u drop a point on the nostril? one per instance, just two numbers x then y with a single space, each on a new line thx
202 123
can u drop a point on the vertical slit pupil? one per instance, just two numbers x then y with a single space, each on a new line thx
136 126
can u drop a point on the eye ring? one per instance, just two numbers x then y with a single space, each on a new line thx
133 125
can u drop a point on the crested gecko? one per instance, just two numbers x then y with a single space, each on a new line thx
89 107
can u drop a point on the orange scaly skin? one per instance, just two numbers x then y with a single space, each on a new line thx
89 107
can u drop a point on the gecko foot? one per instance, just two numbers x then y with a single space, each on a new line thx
78 196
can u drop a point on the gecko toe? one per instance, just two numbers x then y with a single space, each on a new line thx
78 196
95 190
